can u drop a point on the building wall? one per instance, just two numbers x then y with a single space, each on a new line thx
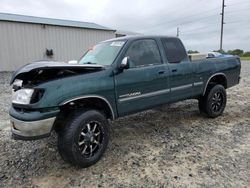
22 43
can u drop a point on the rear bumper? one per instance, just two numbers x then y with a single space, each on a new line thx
31 130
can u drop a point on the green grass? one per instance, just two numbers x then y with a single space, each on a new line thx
245 58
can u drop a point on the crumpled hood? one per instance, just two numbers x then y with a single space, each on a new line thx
36 68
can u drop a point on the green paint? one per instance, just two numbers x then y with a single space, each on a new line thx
136 89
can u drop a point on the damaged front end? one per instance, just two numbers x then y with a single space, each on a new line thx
42 71
29 119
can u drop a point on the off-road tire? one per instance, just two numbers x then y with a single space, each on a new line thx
201 105
69 138
214 101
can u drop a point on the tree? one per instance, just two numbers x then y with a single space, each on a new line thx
192 52
246 54
238 52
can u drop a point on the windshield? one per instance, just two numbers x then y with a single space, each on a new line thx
103 53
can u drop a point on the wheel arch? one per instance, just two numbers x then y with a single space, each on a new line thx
217 78
90 101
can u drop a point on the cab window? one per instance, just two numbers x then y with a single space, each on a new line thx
174 50
143 53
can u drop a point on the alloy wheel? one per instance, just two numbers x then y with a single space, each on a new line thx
90 139
217 101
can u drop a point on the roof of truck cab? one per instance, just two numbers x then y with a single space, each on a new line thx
134 37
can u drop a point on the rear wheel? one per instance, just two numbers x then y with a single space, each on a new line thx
214 101
84 139
201 105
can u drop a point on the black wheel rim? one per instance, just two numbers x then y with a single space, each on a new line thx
90 139
217 102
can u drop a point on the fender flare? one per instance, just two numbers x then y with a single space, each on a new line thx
89 97
216 74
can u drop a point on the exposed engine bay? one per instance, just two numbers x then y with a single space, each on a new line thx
40 72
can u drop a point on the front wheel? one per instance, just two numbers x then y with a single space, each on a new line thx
84 138
214 101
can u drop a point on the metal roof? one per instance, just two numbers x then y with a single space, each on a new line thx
50 21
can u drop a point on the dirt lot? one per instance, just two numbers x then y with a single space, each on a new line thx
172 146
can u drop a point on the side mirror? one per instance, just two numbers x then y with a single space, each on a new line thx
72 62
125 63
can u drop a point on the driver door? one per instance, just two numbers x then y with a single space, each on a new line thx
145 83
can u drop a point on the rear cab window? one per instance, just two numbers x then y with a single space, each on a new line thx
174 50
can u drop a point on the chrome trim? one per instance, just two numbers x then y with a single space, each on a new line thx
181 87
90 96
130 94
198 83
151 94
31 128
216 74
159 92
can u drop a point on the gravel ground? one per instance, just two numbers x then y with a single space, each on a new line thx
171 146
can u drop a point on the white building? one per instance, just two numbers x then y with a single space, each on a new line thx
25 39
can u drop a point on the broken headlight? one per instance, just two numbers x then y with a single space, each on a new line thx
22 96
18 83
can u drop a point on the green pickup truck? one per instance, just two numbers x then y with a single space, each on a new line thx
115 78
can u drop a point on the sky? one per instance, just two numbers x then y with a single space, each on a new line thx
198 20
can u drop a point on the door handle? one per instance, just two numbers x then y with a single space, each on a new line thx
174 70
161 72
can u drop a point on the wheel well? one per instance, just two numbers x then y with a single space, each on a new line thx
216 79
89 103
70 107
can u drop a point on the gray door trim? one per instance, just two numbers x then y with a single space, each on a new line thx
150 94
